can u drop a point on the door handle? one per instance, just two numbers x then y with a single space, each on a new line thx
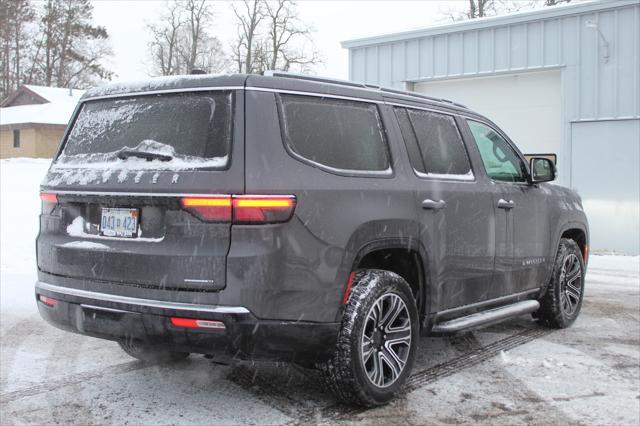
507 205
429 204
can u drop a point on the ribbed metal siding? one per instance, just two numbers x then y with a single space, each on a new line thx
592 88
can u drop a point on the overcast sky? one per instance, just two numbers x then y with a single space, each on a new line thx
334 21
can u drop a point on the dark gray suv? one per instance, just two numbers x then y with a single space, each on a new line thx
294 218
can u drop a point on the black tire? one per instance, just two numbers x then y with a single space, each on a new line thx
151 354
347 374
561 304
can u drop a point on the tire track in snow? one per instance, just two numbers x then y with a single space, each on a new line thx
273 395
469 359
73 379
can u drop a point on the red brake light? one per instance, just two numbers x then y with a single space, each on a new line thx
244 209
210 209
196 323
47 300
262 209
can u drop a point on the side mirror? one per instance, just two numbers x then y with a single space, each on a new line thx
542 169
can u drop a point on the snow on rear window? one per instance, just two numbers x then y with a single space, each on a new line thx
175 131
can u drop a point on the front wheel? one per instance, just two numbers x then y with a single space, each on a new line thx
561 304
377 341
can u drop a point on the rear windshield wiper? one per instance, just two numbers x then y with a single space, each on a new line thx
127 153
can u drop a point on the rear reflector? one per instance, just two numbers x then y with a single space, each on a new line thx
586 254
209 209
197 323
347 291
49 197
47 300
241 209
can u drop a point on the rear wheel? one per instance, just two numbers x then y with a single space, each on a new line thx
377 341
561 304
151 354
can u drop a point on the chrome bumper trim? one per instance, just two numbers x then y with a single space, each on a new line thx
141 302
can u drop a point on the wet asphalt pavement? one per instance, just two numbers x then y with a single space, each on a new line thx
513 373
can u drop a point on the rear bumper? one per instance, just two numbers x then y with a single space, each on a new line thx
116 317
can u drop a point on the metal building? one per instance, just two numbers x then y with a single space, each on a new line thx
562 80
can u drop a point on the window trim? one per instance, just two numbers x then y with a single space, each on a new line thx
435 176
508 141
387 173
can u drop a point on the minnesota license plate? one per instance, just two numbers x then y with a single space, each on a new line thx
119 223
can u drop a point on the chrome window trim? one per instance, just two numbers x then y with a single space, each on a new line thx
216 309
162 92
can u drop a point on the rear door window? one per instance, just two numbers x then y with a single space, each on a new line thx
335 134
153 131
434 144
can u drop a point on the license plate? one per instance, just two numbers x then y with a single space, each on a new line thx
119 223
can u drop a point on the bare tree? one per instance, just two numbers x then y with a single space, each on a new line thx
285 29
70 49
183 40
483 8
15 17
164 46
244 49
272 36
480 8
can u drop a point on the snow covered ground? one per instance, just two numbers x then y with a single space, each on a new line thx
513 373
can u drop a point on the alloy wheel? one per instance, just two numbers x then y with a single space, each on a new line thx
571 284
386 340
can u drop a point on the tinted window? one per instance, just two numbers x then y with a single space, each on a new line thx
500 160
188 127
335 133
437 143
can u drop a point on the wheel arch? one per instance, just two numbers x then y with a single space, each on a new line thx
403 256
577 232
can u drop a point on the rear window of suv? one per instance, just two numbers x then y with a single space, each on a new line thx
434 143
159 131
336 134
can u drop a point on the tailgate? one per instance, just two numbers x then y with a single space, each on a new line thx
132 160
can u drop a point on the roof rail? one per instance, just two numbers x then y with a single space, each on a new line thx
287 74
420 95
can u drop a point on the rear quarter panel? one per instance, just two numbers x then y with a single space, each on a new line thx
299 270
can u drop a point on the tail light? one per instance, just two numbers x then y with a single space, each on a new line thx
209 209
49 201
241 209
261 209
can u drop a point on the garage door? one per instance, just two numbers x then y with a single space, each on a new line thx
525 105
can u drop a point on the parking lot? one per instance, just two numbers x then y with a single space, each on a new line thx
513 373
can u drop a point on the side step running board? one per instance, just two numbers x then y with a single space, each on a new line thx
487 317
